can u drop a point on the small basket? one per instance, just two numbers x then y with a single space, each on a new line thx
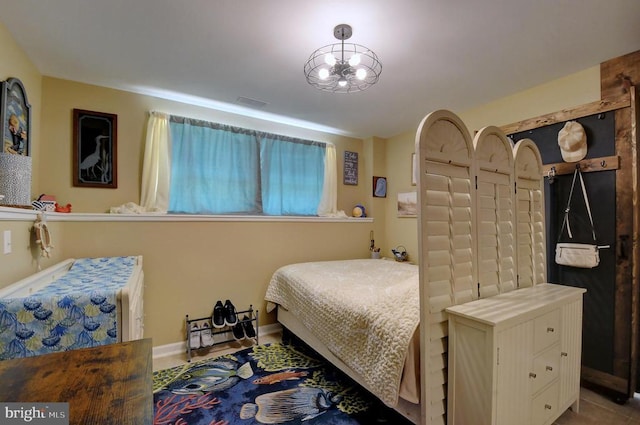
400 253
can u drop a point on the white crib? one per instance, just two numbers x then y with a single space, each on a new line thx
73 304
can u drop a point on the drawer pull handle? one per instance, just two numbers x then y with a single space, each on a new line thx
563 354
550 330
549 368
532 375
547 406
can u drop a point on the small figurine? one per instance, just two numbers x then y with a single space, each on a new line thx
61 209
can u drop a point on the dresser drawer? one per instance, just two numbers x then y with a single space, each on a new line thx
546 367
546 330
544 407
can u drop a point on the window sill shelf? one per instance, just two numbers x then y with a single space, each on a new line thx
19 214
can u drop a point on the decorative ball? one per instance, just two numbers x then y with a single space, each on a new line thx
359 211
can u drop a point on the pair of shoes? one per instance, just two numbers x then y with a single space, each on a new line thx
194 336
200 336
224 315
244 329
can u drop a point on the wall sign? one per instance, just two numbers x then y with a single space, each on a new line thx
350 168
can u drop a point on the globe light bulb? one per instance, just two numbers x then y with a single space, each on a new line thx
329 59
323 73
354 60
361 74
342 82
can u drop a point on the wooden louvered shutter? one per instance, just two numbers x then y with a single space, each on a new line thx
446 228
495 212
530 214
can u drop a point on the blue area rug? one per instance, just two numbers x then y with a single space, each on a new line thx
264 384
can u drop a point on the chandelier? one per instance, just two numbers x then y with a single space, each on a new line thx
342 67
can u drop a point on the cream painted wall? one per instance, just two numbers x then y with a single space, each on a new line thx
375 165
400 231
567 92
25 258
188 266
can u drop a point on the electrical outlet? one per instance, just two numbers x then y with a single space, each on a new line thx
7 242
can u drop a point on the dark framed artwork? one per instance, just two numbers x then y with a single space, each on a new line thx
95 142
379 187
15 116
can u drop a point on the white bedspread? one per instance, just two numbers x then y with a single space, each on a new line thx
365 311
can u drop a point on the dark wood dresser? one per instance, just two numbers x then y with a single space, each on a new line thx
109 384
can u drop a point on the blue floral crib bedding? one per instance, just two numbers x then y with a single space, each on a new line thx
77 310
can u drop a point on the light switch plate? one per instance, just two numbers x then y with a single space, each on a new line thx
7 242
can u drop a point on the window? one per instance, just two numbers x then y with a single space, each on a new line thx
220 169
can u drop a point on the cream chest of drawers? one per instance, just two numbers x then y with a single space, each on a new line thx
515 358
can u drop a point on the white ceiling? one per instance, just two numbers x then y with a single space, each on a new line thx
453 54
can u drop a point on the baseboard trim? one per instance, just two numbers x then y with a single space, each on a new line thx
176 348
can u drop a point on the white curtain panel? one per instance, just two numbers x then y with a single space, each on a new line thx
156 168
328 205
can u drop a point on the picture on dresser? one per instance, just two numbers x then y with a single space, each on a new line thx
15 116
95 149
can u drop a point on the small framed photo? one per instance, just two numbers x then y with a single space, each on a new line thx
15 116
95 142
379 187
407 204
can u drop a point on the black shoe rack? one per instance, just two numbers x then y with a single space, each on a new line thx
220 335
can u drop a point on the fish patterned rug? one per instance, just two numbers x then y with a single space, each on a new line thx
264 384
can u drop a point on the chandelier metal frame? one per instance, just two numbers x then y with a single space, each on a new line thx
340 77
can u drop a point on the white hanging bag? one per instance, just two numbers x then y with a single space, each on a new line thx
580 255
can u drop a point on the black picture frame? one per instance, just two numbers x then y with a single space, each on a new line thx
95 143
379 187
15 117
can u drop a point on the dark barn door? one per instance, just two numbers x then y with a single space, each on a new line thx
609 322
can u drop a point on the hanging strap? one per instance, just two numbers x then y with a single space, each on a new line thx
565 221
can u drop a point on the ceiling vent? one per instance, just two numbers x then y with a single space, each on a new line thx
254 103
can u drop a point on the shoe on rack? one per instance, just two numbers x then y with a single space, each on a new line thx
238 332
230 314
217 318
206 337
194 336
249 331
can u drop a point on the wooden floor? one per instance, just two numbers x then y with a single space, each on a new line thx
595 409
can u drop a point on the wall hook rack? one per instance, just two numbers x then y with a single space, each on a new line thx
586 166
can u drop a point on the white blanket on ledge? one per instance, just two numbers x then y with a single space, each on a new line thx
364 311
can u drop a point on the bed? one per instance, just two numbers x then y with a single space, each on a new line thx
76 303
480 233
348 304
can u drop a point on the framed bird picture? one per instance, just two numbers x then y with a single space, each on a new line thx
95 144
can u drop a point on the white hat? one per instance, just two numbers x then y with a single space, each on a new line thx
572 141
